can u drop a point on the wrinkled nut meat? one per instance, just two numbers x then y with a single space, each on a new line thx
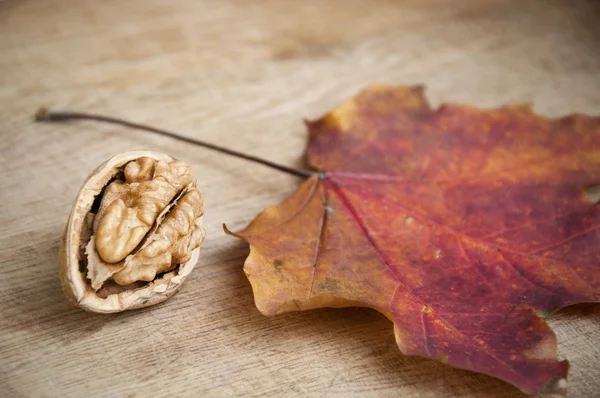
133 235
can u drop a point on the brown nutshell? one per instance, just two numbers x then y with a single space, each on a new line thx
133 235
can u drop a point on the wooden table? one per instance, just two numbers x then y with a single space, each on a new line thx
244 75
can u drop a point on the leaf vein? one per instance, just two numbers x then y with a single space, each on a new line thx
384 259
321 232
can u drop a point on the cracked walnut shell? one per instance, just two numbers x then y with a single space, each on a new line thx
133 235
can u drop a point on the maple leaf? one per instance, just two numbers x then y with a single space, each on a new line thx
465 227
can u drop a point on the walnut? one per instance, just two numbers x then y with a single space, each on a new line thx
134 233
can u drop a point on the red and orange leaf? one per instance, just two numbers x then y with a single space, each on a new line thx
465 227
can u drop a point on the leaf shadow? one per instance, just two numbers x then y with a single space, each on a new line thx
359 342
577 311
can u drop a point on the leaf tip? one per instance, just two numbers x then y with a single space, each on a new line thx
555 386
592 194
416 88
230 232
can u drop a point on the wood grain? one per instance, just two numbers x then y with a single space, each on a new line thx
244 74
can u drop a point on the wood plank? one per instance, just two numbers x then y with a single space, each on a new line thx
244 75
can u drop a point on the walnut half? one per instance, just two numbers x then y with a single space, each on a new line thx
133 235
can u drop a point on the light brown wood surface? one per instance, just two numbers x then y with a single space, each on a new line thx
244 74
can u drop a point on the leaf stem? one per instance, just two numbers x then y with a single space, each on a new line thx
43 115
